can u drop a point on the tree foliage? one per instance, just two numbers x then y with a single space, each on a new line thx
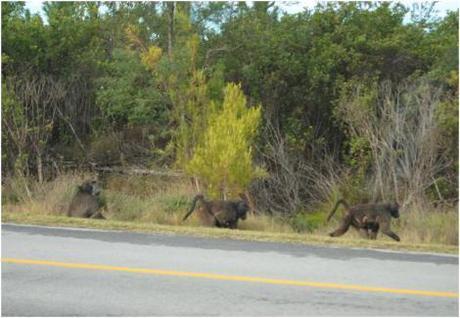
82 69
223 157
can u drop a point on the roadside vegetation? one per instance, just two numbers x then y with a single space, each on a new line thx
157 204
162 100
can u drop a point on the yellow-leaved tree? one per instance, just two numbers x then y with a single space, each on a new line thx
222 160
187 89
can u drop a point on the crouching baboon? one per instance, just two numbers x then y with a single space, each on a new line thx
367 218
87 202
220 213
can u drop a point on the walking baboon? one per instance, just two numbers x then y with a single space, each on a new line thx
87 201
219 213
370 228
367 218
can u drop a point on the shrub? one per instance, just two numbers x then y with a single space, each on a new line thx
223 158
307 222
105 150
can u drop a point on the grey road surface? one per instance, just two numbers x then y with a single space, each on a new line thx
43 290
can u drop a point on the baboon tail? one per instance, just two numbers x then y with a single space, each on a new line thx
195 199
341 201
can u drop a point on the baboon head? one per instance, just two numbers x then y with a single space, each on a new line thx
243 207
90 187
394 209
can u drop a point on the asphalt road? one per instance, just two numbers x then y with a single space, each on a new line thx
74 272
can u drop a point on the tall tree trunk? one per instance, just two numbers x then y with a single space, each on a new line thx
40 168
196 183
19 169
171 6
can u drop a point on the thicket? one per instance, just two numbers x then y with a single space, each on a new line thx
353 100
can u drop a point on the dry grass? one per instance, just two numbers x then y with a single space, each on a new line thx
51 198
426 226
416 225
150 204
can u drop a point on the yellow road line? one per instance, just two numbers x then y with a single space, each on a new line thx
233 278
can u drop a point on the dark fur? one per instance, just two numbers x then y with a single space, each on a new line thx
87 202
367 218
219 213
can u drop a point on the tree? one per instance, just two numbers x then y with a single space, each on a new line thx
14 135
223 158
127 92
397 124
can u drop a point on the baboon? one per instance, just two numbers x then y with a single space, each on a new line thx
87 202
367 218
220 213
370 228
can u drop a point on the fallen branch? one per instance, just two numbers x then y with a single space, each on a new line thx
138 171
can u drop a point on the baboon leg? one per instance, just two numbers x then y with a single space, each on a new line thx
386 230
222 219
232 225
225 224
364 233
373 235
343 228
88 213
97 215
392 235
219 224
373 231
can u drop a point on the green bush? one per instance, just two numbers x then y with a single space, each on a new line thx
105 149
124 207
228 139
442 187
307 222
174 204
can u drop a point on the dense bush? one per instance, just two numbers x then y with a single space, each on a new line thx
354 100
